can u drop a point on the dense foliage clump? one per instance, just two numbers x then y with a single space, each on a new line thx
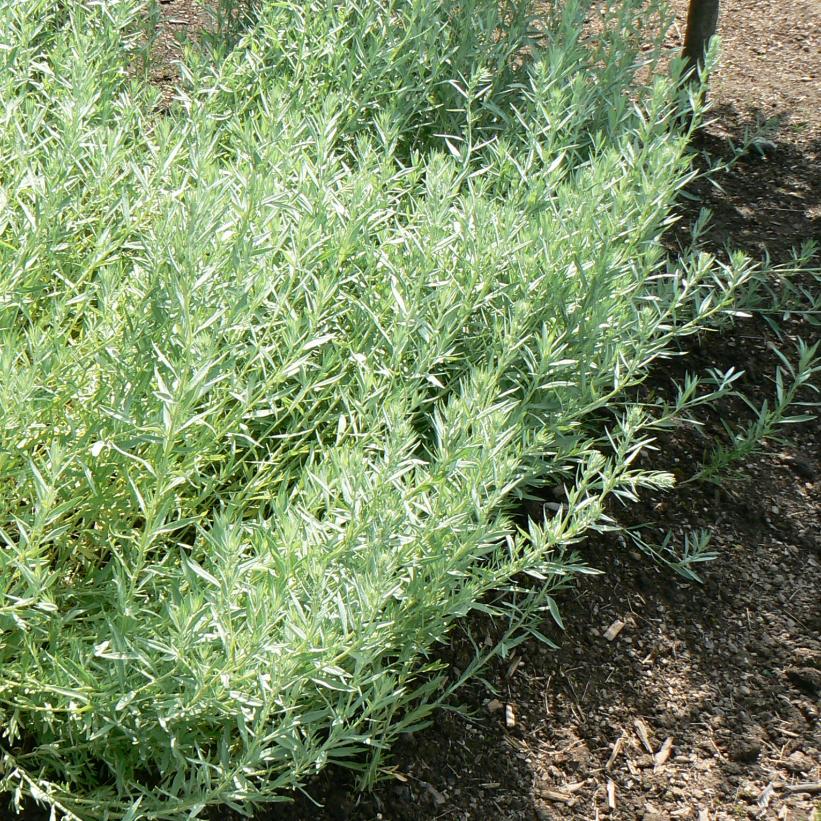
279 361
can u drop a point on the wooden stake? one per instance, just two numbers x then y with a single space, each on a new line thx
702 19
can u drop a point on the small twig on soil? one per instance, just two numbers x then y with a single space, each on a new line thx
574 705
810 787
718 751
611 795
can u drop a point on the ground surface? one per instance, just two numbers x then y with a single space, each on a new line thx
706 703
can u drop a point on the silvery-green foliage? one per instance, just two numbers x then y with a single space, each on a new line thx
277 363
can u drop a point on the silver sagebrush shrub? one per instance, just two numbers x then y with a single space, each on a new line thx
277 363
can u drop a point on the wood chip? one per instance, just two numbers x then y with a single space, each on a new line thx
660 758
556 795
811 787
615 752
703 815
644 736
611 795
510 717
571 788
615 628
